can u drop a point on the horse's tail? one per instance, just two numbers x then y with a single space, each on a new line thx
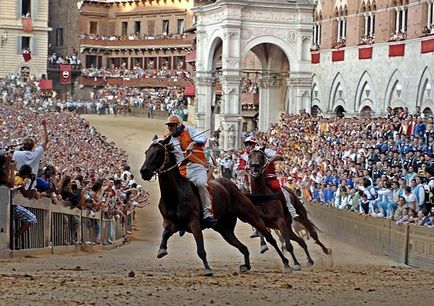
302 212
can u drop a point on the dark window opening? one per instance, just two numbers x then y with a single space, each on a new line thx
93 27
181 26
25 43
165 27
26 7
124 28
59 37
137 27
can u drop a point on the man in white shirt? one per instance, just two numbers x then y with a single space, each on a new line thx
31 155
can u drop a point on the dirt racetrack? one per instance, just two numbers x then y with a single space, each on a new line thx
132 275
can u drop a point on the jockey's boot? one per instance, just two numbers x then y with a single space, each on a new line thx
291 208
208 218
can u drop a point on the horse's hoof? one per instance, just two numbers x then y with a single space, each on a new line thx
161 253
207 272
296 267
244 268
287 269
309 264
329 251
264 248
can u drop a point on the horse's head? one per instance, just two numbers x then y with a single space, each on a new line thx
257 161
157 158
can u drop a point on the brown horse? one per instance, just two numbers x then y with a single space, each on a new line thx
181 208
271 209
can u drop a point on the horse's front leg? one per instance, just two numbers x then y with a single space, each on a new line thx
169 230
197 233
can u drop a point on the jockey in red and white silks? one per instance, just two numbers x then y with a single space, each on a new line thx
270 173
187 141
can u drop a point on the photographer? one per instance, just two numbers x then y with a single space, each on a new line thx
31 155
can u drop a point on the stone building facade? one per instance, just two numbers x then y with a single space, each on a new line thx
368 55
23 26
158 25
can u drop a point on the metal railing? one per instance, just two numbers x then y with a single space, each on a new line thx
57 225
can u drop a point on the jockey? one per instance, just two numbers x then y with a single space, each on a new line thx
185 138
270 173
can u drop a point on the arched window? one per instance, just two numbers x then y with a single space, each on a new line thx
400 20
316 38
341 26
368 10
340 112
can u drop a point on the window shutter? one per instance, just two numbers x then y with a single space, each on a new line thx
35 6
19 8
19 47
34 46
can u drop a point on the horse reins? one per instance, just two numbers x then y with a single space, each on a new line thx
166 159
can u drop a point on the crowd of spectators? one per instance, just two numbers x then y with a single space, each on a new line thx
398 36
73 59
135 73
170 99
59 156
367 39
135 36
383 166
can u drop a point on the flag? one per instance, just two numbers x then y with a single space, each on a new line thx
65 74
46 84
27 56
27 24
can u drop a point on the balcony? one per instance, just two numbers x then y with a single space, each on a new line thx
144 82
136 44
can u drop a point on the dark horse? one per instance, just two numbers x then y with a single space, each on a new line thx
275 213
181 208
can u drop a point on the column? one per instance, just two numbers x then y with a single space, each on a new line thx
396 20
366 25
205 93
299 86
344 23
339 30
428 21
403 20
314 34
270 102
230 112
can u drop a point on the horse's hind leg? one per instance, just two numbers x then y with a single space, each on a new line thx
285 233
301 242
197 233
314 235
263 243
229 236
256 222
169 230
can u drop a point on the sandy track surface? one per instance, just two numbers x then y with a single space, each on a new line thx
132 275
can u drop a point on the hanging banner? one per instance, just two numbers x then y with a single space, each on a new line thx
65 74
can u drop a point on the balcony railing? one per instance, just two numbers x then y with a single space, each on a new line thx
144 82
139 43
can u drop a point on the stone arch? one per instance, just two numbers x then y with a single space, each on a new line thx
395 91
273 40
339 111
214 42
315 110
366 95
337 92
425 88
366 112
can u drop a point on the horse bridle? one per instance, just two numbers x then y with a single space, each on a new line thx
267 162
161 169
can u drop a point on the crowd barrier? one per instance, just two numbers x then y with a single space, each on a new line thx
59 228
405 243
